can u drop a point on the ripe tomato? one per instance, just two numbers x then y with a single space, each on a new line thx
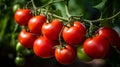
26 39
22 16
110 34
35 24
65 55
82 55
96 47
74 35
43 47
52 30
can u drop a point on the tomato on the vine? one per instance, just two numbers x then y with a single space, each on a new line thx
74 35
19 47
82 55
96 47
22 16
16 7
43 47
26 39
35 24
65 55
110 34
52 30
19 61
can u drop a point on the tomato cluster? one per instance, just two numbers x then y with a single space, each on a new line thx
45 38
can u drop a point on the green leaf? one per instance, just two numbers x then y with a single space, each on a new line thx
3 24
100 5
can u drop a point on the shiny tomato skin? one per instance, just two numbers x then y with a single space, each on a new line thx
65 55
26 39
35 24
110 34
52 30
43 47
22 16
75 34
96 47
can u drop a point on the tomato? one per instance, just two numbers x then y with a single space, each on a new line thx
22 16
74 35
82 55
19 47
35 24
43 47
20 61
52 30
16 7
65 55
26 39
110 34
96 47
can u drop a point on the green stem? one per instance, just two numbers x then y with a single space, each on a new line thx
54 15
67 11
33 4
52 2
60 39
98 20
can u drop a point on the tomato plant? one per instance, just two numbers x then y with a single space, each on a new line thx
40 25
96 47
22 16
65 55
75 34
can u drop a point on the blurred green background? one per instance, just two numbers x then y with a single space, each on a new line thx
89 9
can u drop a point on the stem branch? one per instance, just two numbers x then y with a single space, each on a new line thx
33 4
52 2
98 20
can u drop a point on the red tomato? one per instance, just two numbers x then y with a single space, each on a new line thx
43 47
74 35
110 34
52 30
65 55
35 24
96 47
26 39
22 16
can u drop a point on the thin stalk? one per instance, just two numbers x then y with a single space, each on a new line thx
33 4
52 2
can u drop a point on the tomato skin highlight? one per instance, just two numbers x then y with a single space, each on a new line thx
65 55
52 30
43 47
22 16
75 34
96 47
35 24
26 39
